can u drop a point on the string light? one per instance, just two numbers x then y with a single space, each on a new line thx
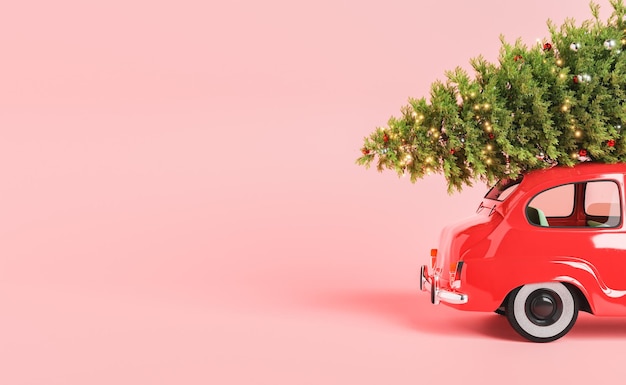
559 62
489 161
578 133
489 147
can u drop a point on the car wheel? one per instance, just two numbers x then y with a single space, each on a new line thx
500 311
542 312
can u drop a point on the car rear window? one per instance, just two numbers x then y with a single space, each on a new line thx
503 189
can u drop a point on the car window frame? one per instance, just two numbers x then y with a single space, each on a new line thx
621 208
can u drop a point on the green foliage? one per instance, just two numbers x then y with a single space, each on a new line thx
561 101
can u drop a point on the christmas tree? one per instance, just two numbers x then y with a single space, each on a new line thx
561 101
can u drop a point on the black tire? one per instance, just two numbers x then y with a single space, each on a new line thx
500 311
542 312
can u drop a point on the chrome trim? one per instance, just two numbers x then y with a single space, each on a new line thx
451 297
437 294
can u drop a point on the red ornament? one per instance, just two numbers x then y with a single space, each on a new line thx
385 138
610 142
575 79
582 152
452 151
547 47
518 57
491 136
365 151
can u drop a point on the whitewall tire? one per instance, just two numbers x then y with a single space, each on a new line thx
542 312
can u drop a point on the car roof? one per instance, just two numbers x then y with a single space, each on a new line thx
578 171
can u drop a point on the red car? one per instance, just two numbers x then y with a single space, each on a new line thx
539 249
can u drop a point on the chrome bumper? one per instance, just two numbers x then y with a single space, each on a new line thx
430 283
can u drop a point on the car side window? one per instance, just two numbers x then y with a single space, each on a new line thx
585 204
555 202
602 204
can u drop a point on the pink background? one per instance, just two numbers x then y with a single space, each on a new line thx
180 203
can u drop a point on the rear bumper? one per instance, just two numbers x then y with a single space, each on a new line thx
430 283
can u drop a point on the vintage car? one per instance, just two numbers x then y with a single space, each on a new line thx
539 249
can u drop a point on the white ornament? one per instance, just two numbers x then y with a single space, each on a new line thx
586 77
609 44
574 46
